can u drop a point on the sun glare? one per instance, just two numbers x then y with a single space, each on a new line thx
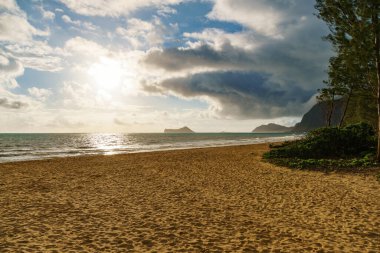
107 73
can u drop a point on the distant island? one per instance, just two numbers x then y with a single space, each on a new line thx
183 130
272 128
313 119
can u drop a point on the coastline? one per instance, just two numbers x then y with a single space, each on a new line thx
47 148
213 199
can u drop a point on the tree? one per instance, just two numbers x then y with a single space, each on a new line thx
328 95
355 36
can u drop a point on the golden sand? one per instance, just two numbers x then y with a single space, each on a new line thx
199 200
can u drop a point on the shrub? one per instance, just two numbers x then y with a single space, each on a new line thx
356 140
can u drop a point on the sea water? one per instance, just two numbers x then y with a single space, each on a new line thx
21 147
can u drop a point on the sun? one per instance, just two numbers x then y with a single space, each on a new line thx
107 73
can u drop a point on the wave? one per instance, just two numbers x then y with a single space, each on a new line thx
15 147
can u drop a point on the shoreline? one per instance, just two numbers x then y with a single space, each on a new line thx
365 171
145 151
200 199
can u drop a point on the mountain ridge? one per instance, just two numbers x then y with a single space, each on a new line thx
313 119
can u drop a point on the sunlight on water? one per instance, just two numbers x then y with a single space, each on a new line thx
20 147
109 144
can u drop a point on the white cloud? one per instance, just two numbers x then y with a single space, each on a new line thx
60 122
82 96
81 46
20 49
9 6
36 55
11 15
9 100
218 38
166 11
39 93
47 15
23 31
268 18
113 8
10 69
80 24
141 34
68 20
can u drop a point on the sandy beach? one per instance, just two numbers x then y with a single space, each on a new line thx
198 200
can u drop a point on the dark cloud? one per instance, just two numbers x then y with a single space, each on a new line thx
240 94
276 76
5 103
301 63
275 81
176 59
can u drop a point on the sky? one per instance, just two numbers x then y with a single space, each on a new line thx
142 66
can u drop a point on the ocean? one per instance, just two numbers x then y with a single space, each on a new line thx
22 147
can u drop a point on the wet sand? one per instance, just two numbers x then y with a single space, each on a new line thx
198 200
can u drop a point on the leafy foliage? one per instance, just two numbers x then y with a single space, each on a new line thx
350 146
354 73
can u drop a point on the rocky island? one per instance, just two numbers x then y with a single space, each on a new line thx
272 128
183 130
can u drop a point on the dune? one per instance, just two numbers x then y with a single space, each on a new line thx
196 200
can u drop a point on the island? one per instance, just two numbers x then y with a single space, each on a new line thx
183 130
272 128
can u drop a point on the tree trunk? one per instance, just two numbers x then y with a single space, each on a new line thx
375 23
331 111
345 108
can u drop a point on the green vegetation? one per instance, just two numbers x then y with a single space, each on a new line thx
354 72
353 85
328 148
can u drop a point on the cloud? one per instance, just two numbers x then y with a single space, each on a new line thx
80 24
10 69
280 49
284 63
166 11
142 34
39 93
80 96
21 32
217 38
269 18
5 103
36 55
201 57
9 100
20 48
9 5
47 15
81 46
113 8
238 94
63 122
10 15
68 20
76 95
